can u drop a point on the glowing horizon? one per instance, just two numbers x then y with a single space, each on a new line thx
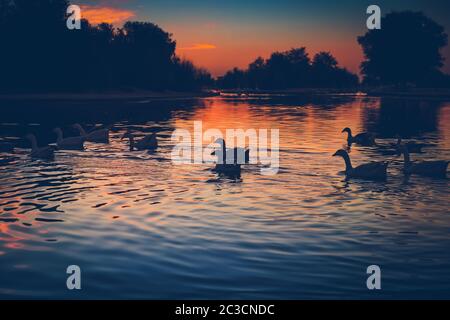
100 14
219 37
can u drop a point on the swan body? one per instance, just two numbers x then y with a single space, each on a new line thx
71 143
149 142
46 152
236 151
363 138
99 136
231 169
6 147
236 154
371 171
434 168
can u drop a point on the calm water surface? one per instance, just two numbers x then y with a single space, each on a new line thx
142 227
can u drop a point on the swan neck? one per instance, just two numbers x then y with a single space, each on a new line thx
34 145
131 142
223 150
81 130
349 135
406 157
348 163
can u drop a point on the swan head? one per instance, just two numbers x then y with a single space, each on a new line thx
340 153
30 136
221 144
347 129
220 141
57 130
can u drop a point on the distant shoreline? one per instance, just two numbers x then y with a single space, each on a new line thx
376 92
172 95
150 95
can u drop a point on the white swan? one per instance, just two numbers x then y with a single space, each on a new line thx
222 165
149 142
99 136
46 152
72 143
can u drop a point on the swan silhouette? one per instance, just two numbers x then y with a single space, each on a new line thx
239 155
363 138
71 143
227 166
149 142
434 168
372 170
99 135
46 152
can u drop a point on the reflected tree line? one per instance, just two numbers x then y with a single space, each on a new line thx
40 54
405 117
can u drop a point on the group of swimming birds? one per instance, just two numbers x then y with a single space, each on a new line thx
238 156
148 142
378 170
371 171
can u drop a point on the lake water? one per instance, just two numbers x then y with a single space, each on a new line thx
141 227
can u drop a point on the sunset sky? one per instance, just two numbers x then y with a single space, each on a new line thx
220 35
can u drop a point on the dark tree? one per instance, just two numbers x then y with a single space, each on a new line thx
234 79
324 60
327 74
257 74
31 37
300 68
186 76
39 54
144 54
290 69
279 71
406 50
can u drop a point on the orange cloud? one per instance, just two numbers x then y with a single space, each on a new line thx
98 14
199 46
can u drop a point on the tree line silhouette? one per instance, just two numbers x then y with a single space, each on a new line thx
405 52
40 54
291 69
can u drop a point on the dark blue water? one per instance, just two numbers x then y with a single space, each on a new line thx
142 227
